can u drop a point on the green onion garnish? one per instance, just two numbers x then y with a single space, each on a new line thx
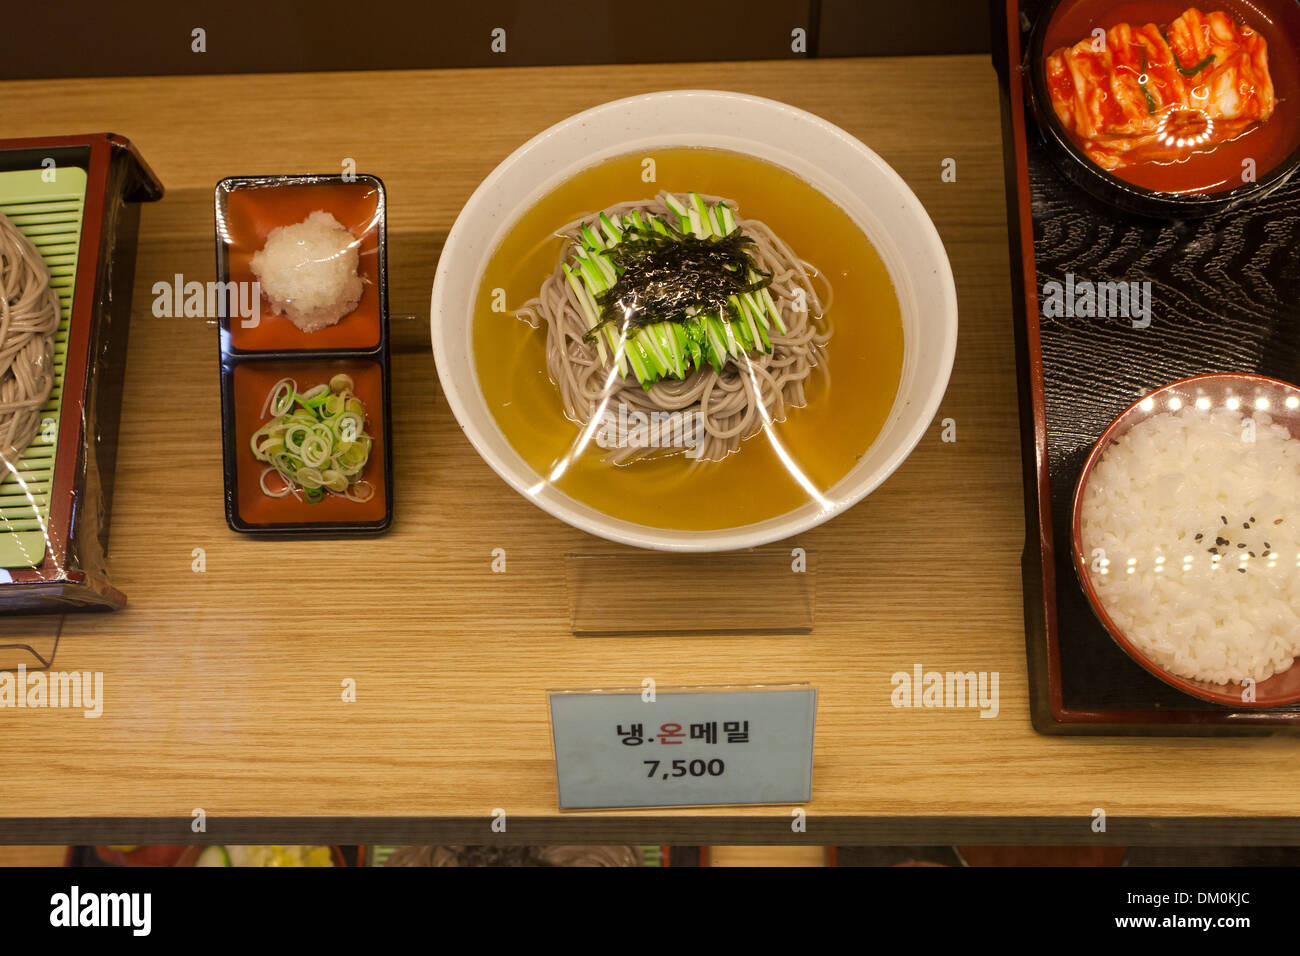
317 447
1185 70
683 290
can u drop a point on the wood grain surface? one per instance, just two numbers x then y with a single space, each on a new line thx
32 855
222 689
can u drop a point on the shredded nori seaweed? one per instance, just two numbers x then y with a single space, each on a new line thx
661 277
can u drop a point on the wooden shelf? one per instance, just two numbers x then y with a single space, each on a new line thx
222 692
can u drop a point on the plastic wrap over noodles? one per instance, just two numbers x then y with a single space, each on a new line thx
29 319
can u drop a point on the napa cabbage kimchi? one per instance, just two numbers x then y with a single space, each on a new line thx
1141 93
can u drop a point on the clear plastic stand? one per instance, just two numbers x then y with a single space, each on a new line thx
29 640
613 593
408 332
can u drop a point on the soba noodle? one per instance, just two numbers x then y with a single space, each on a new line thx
732 405
29 319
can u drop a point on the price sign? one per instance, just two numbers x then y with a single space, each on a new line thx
684 747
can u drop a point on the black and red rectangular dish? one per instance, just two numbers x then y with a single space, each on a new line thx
260 349
73 572
1225 296
108 857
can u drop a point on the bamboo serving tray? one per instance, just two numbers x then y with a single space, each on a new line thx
53 545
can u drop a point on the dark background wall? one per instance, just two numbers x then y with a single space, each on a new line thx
46 38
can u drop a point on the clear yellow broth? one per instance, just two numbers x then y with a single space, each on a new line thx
848 397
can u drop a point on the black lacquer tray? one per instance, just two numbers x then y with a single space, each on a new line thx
1225 296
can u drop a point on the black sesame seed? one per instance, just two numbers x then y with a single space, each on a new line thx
1251 553
1278 521
1199 537
1267 545
1246 525
1242 570
1252 519
1223 518
1241 545
1212 550
1267 553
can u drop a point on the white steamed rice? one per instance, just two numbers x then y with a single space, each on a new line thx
1219 616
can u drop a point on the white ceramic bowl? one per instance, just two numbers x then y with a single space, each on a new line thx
822 154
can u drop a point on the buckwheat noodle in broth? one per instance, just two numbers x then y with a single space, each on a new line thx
528 371
752 388
29 319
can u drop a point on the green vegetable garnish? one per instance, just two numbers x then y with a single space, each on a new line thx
1192 70
671 294
1151 103
1185 70
319 446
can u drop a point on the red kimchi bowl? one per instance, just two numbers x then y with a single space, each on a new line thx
1219 166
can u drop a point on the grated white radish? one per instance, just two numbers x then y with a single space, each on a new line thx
308 271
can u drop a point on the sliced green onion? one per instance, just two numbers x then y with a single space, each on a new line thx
728 219
318 447
675 204
281 398
591 239
283 492
612 231
772 309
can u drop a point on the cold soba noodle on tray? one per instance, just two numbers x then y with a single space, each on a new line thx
29 319
708 353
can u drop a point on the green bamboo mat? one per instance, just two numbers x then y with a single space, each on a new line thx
378 855
49 214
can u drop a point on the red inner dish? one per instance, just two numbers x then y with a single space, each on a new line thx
252 383
253 211
1220 168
